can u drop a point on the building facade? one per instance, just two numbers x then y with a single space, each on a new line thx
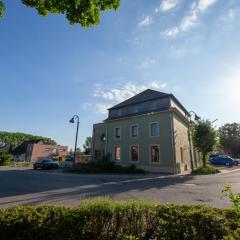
32 150
150 130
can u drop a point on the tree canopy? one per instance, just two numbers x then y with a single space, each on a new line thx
87 146
229 137
13 139
204 138
84 12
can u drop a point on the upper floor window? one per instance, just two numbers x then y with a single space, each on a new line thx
154 131
118 132
134 131
103 137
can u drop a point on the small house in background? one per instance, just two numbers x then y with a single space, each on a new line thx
32 150
150 130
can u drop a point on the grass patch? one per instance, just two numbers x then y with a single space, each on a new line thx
206 170
104 166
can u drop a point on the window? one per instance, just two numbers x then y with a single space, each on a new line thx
154 129
103 137
135 109
134 153
118 132
134 131
119 112
117 153
155 153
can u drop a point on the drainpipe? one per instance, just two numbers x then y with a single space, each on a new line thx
173 143
106 139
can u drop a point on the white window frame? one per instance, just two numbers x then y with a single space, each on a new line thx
120 133
150 154
150 129
114 148
130 153
131 126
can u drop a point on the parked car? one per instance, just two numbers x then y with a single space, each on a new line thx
223 160
45 164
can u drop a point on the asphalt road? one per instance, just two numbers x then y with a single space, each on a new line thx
24 186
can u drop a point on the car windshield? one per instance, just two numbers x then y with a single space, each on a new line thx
47 161
39 161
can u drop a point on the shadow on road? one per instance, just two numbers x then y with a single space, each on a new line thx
31 187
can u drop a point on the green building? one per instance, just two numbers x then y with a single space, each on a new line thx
150 130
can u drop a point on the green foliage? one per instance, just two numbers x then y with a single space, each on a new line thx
87 146
85 12
206 170
105 165
204 138
235 235
233 197
229 137
105 219
2 9
13 139
5 159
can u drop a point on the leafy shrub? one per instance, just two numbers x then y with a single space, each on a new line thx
105 165
234 235
5 159
104 219
233 197
206 170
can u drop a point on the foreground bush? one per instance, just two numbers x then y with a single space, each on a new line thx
5 159
104 165
108 220
206 170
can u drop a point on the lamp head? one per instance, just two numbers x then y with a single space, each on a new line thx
197 118
71 120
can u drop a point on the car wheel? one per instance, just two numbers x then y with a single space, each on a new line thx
227 164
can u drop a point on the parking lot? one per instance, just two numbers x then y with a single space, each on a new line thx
21 186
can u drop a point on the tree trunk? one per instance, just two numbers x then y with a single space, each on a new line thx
204 159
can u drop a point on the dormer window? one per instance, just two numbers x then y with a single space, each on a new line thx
135 109
119 112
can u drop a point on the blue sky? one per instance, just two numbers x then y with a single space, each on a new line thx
50 70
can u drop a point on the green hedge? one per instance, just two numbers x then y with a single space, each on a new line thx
107 220
5 159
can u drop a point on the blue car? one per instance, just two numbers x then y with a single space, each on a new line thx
223 160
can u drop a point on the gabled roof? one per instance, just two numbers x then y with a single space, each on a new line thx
22 147
144 96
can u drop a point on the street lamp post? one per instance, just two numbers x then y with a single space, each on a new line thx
72 120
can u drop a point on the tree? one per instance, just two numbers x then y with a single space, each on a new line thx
13 139
204 138
85 12
87 146
229 137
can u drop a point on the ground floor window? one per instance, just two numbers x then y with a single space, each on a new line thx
117 153
134 153
155 153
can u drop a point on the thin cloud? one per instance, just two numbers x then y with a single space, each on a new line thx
146 22
191 19
167 5
119 94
